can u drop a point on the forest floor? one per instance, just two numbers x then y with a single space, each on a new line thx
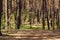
30 35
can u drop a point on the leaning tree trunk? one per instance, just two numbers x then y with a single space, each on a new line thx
0 15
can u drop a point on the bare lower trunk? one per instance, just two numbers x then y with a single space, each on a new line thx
0 15
19 21
5 12
43 15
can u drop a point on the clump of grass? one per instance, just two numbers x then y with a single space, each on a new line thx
24 27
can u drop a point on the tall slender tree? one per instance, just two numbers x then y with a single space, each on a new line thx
43 14
59 15
8 13
0 15
19 21
52 14
48 12
56 11
5 12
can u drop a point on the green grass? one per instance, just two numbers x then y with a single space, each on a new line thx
24 27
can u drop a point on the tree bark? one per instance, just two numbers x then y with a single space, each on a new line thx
59 15
5 12
43 14
19 21
48 12
52 14
0 15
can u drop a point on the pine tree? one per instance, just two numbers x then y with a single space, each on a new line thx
19 21
0 15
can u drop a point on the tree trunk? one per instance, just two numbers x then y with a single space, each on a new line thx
48 12
43 15
19 21
38 17
0 15
59 14
52 14
8 14
5 12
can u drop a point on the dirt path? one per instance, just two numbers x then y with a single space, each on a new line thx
30 35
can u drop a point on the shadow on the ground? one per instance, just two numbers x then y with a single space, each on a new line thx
32 35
